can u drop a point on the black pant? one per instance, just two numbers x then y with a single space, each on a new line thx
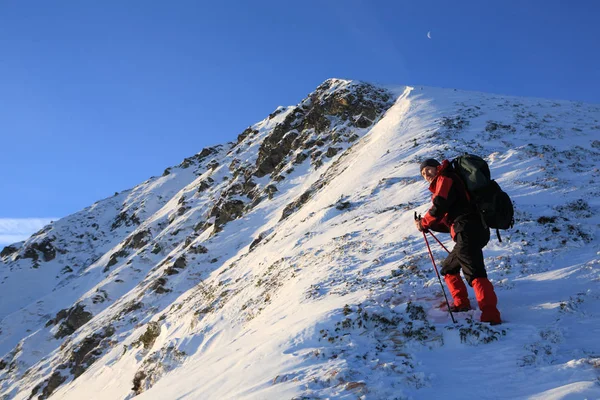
471 236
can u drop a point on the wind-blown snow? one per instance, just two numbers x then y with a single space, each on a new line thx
339 299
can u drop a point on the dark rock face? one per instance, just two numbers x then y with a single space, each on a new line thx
45 247
180 262
55 380
199 249
114 259
332 151
274 149
138 240
247 132
271 190
227 211
75 318
296 204
158 286
125 219
138 379
90 349
357 105
200 157
149 337
493 126
8 250
204 185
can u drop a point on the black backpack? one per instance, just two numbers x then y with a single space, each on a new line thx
492 202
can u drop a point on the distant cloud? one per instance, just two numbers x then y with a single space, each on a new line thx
17 229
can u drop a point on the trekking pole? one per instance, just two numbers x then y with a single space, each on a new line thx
438 240
436 271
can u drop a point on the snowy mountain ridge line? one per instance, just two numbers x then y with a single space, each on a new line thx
286 265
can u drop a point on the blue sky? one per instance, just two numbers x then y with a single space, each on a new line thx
96 97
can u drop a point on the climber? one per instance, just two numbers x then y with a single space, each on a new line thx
453 212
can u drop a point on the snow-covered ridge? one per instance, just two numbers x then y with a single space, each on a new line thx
286 265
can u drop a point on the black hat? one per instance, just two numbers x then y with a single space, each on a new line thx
430 162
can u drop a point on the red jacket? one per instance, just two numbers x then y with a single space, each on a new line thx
450 201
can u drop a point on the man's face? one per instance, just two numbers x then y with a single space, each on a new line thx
428 173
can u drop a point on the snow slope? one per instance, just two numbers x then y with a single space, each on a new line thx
254 273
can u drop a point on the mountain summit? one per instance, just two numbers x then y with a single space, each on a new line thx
285 265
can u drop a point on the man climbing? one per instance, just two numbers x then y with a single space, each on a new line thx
453 212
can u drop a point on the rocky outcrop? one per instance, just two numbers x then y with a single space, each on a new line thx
356 105
114 259
43 247
125 219
8 250
138 239
89 350
226 211
200 157
49 386
73 319
149 336
247 132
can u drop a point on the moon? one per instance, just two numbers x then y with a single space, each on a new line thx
429 34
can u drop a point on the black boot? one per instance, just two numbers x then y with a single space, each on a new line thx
459 309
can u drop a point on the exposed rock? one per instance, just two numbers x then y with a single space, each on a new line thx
227 211
138 379
213 165
260 239
75 318
182 210
149 337
234 165
274 149
358 104
204 185
171 271
198 158
66 270
247 132
114 259
180 262
493 126
198 249
332 151
50 385
300 157
138 239
8 250
130 307
296 204
124 219
158 286
44 246
271 190
31 253
89 350
278 111
343 205
62 314
234 189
